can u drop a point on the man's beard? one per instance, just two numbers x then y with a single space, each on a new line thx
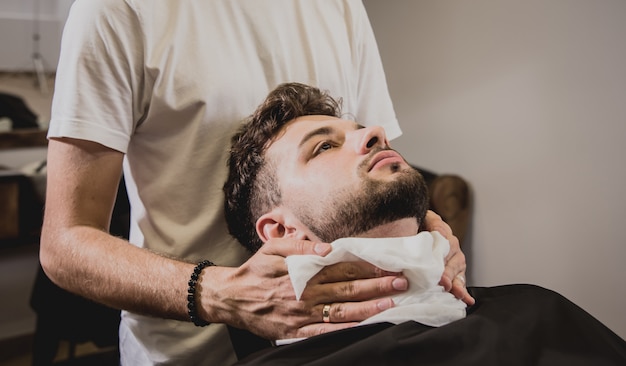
375 203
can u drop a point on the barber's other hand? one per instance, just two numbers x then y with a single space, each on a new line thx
258 295
453 278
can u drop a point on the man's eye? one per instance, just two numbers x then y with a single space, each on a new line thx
322 147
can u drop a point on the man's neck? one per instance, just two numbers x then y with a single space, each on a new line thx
398 228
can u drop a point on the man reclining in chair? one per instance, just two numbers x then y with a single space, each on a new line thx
297 169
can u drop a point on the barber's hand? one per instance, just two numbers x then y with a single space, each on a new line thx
258 295
453 278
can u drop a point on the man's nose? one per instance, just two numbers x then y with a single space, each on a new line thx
369 138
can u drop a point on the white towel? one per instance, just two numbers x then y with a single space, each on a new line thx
420 258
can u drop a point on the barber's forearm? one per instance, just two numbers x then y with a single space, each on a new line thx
109 270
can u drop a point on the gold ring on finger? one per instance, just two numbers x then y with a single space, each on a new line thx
461 278
326 313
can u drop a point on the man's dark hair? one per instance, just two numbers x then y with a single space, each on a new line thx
248 193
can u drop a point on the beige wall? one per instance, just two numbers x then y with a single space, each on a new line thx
20 20
526 100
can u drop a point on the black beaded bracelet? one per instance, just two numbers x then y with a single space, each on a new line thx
191 294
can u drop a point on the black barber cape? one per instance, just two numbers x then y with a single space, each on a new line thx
508 325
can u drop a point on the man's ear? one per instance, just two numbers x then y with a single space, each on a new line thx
267 228
273 225
280 223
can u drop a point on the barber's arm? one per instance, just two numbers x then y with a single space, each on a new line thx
79 254
259 296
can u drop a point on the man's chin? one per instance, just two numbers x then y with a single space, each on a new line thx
390 172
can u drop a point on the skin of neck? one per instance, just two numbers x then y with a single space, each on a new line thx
394 229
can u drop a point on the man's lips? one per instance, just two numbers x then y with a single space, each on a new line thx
383 158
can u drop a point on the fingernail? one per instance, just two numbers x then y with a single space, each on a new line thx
322 248
384 304
446 283
400 283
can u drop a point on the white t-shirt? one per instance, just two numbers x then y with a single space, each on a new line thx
167 83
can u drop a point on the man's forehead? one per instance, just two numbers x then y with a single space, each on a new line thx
317 118
302 125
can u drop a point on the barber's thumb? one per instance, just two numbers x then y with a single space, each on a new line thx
285 247
322 249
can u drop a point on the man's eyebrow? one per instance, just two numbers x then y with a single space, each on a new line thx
326 130
316 132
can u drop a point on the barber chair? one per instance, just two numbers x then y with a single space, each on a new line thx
63 316
450 198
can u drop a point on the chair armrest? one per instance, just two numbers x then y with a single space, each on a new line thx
450 198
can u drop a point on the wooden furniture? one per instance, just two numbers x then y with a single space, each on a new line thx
23 138
21 214
9 201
